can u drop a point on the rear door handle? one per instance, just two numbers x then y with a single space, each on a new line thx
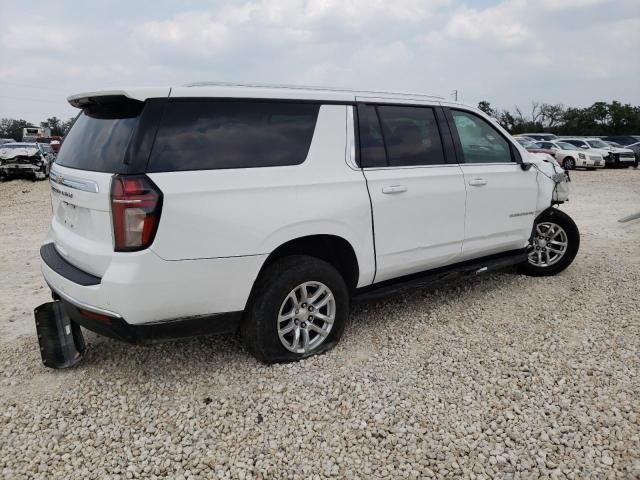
394 189
477 182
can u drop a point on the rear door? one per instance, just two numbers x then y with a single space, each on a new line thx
501 196
417 191
111 136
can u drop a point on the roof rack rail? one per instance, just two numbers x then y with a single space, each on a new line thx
304 87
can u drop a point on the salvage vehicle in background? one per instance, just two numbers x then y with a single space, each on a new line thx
31 134
571 157
623 140
540 136
212 208
54 141
613 157
532 147
24 159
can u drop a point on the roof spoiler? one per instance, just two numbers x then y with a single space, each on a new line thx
83 100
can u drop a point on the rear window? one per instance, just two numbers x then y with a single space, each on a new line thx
99 138
208 135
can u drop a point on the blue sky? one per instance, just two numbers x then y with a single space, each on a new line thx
511 53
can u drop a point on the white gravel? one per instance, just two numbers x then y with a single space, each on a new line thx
505 377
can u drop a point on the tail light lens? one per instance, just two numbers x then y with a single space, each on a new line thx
136 203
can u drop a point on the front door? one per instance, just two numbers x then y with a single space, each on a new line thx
501 196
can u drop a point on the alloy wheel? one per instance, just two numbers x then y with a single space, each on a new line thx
549 244
306 317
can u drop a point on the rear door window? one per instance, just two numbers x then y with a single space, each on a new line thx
372 149
411 136
399 136
208 135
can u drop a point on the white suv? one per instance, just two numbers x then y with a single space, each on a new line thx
216 208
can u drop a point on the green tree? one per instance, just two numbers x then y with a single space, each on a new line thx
12 128
55 124
487 108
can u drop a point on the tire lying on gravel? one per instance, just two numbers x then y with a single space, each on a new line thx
554 244
298 308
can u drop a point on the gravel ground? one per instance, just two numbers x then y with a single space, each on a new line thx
504 377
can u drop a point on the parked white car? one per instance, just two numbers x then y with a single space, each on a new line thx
613 157
213 207
570 157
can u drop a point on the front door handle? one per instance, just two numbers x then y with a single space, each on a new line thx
394 189
477 182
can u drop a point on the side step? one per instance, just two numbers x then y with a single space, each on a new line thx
435 278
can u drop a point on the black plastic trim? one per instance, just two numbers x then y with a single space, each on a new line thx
439 276
62 267
120 329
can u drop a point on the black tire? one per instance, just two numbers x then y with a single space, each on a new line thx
569 163
259 325
573 244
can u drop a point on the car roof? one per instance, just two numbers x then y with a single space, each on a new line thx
19 144
256 90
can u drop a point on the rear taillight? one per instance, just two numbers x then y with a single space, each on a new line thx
136 203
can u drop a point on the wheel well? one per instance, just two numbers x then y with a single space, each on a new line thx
332 249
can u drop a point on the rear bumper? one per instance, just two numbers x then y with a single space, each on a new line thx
143 289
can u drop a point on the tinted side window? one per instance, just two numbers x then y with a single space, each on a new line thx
411 136
207 135
481 142
372 152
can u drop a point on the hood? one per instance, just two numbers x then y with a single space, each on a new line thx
10 153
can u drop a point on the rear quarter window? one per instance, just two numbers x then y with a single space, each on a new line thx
209 135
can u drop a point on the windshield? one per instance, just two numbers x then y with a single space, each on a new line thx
565 146
597 144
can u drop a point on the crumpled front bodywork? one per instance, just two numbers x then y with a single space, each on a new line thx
17 161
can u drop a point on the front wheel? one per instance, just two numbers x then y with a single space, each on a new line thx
554 244
298 308
569 163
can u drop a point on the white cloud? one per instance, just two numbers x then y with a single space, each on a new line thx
503 25
570 4
34 36
506 51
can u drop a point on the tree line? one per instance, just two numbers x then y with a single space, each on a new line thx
601 118
12 128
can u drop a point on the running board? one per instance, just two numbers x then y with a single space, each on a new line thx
438 277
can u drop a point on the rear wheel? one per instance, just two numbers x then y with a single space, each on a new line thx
569 163
298 308
554 244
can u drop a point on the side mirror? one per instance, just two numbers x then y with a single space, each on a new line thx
584 147
525 166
